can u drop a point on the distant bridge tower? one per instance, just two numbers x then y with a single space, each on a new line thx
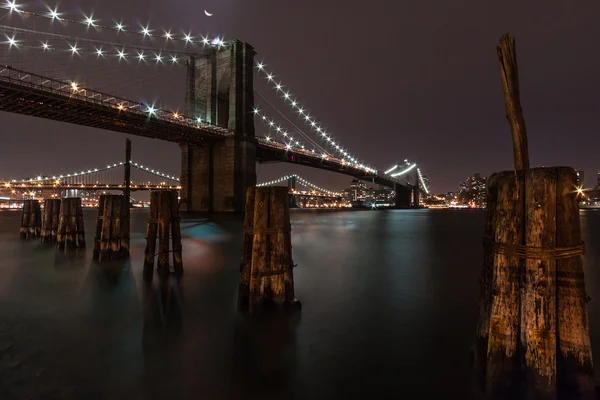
416 192
220 91
292 183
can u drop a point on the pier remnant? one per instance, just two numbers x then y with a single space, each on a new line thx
266 274
31 219
71 232
111 241
533 333
50 220
164 222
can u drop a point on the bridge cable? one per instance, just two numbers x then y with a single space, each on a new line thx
298 130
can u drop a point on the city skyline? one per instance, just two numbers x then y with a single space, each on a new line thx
438 103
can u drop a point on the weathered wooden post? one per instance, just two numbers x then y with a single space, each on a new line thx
267 268
533 334
31 219
50 220
110 237
71 232
244 289
126 222
163 222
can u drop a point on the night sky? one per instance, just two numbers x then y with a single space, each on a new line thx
391 80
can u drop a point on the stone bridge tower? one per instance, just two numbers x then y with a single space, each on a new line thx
220 90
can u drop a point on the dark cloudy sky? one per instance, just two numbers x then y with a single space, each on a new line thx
389 79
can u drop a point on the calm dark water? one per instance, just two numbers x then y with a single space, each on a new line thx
389 309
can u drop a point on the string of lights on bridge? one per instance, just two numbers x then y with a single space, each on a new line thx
299 179
310 121
410 167
120 52
95 170
88 21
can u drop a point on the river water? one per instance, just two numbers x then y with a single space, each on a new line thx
389 310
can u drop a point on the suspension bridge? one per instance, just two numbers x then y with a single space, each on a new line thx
111 177
216 132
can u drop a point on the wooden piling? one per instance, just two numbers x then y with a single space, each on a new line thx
71 232
574 358
244 288
538 325
31 219
485 279
25 219
176 234
163 223
110 237
502 358
151 232
270 273
538 298
50 220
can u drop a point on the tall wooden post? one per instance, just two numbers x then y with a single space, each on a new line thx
533 315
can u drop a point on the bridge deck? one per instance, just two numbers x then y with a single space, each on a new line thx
38 96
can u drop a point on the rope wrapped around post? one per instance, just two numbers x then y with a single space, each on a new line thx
533 253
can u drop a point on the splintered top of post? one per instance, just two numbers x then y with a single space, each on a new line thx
509 72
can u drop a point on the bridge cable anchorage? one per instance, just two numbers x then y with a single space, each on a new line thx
173 56
311 121
118 27
271 123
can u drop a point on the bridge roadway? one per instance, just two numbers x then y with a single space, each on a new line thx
34 95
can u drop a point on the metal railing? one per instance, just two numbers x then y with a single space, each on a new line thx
73 90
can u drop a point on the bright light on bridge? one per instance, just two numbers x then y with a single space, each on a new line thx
404 171
389 171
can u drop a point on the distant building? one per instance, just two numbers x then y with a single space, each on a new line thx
598 180
358 192
473 192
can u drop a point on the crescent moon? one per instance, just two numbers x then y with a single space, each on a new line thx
207 13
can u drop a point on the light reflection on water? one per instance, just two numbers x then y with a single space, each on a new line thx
389 306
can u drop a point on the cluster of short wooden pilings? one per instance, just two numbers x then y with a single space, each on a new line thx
61 222
266 276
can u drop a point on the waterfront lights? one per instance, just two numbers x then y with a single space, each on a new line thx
151 110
